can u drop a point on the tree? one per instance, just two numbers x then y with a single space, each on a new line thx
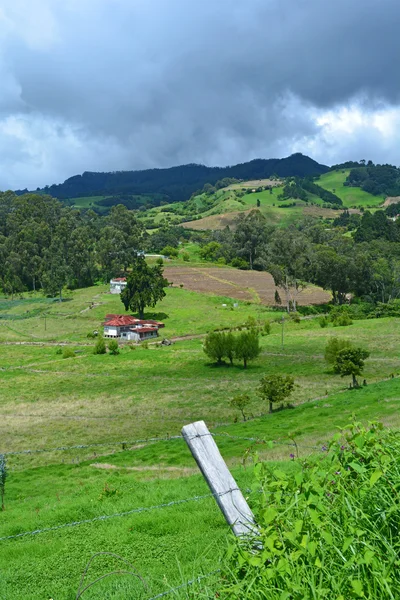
247 346
230 346
170 252
144 287
350 361
333 347
252 231
215 346
240 402
275 389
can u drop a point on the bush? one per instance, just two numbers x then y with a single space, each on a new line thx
59 350
68 353
329 528
295 317
113 347
144 345
170 252
267 328
186 256
100 347
342 320
323 321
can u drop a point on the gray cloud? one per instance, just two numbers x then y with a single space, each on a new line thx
120 84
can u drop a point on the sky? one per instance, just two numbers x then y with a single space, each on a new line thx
106 85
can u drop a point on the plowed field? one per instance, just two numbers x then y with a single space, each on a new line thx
252 286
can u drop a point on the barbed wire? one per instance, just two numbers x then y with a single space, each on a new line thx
114 515
183 585
93 445
125 443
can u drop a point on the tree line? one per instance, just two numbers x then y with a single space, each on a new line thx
179 183
365 265
47 246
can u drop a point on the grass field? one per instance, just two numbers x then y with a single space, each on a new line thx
352 197
47 401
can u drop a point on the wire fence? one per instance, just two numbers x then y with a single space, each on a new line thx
124 444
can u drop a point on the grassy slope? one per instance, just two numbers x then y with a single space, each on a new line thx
350 196
150 392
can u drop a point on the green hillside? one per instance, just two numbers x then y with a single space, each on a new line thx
352 197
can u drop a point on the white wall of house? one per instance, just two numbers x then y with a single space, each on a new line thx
116 287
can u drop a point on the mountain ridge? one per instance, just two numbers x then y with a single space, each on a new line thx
180 182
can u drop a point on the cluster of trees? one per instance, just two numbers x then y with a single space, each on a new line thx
375 179
366 267
45 245
244 346
301 188
179 183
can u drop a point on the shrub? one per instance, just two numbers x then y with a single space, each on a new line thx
68 353
3 477
59 350
342 320
214 346
295 317
144 345
100 347
328 529
247 346
169 251
323 321
186 256
267 328
113 347
333 347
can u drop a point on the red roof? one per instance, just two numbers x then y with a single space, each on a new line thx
124 320
119 279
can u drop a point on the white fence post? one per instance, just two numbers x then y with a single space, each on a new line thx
219 479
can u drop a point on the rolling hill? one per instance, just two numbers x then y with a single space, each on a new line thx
179 183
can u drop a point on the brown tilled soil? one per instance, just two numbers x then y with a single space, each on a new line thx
391 200
244 285
255 183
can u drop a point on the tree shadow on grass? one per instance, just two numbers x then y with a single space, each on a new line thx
160 316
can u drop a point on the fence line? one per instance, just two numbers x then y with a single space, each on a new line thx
124 443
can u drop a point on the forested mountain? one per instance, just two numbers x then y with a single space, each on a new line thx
179 183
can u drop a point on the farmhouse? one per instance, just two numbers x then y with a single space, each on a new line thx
130 328
117 285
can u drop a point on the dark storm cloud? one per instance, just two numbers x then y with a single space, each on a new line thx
138 83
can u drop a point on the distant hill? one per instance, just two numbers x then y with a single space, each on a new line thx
179 183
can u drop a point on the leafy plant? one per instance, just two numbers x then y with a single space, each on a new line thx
247 346
323 321
327 529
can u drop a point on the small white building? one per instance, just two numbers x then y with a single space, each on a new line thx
117 285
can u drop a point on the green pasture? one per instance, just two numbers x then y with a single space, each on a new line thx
352 197
48 401
87 201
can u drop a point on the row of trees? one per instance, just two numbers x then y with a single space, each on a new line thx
221 346
311 252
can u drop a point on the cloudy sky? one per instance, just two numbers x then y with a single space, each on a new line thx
107 85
